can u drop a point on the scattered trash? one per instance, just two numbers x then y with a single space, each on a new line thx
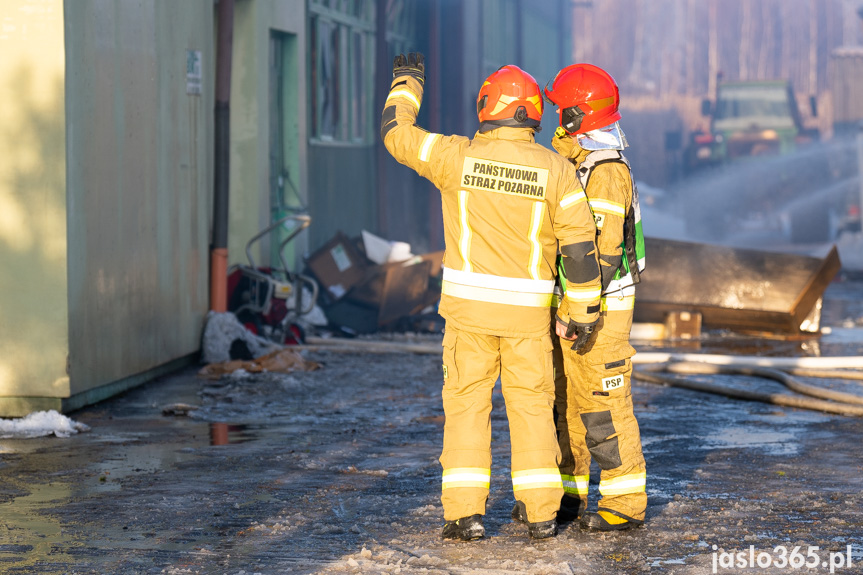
178 409
40 424
371 284
281 361
382 251
223 332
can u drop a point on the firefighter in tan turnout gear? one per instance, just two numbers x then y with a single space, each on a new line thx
594 399
508 205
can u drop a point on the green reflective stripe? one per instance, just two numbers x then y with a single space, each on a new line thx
575 484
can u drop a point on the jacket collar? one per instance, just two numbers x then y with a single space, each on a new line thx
579 153
507 133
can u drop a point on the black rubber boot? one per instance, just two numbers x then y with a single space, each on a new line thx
608 520
519 512
571 508
541 530
466 528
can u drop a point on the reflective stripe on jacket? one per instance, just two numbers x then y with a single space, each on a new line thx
508 205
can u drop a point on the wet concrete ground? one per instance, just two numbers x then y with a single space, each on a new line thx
335 471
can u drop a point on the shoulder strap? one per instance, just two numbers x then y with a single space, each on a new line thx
597 158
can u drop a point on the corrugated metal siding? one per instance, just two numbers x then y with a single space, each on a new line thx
139 183
846 85
341 191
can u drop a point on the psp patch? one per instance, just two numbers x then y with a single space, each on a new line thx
613 382
599 219
504 178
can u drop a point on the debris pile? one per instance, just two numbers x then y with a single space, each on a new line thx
228 347
368 284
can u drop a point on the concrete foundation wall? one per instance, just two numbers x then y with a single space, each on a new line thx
33 308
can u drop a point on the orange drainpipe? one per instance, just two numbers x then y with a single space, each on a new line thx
219 246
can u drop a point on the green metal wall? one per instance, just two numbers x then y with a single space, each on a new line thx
255 23
139 180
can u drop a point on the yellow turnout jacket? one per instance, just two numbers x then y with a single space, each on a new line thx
509 205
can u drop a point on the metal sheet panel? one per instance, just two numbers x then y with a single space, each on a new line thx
139 182
731 287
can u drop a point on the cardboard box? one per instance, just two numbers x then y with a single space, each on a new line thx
396 289
338 266
358 292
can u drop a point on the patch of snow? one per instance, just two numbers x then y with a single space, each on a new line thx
740 437
40 424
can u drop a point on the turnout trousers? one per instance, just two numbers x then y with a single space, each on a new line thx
594 414
471 364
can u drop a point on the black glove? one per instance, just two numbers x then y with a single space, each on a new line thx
413 65
581 332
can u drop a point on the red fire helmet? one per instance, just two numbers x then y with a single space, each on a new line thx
509 97
586 96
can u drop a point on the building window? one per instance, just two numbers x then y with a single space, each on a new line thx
401 29
341 38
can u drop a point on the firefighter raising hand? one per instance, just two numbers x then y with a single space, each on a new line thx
508 205
413 65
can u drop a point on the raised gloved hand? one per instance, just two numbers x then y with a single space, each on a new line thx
576 332
565 144
412 65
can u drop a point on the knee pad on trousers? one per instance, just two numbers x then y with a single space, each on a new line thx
603 448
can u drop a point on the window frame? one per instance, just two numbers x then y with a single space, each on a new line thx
351 24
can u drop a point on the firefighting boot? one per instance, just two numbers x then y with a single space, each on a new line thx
466 528
571 508
540 530
608 520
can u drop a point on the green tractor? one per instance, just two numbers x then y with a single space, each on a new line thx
747 119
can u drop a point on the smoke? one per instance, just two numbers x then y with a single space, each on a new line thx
800 197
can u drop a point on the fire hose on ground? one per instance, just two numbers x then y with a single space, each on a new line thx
666 369
817 398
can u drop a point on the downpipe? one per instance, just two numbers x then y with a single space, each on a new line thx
221 180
